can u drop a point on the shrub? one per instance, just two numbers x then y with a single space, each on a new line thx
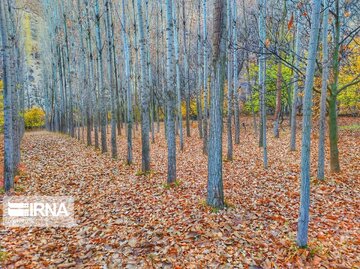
34 118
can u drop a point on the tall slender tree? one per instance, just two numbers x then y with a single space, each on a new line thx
170 93
177 64
100 70
186 72
205 80
199 73
8 122
324 85
302 235
215 192
145 124
262 72
235 74
129 116
295 80
109 39
230 103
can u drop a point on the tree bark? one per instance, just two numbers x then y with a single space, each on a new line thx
215 192
333 128
325 73
109 38
8 128
262 73
303 223
145 125
296 82
103 110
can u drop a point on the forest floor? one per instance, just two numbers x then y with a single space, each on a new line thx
129 220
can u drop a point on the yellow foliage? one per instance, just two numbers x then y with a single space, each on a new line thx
1 107
193 109
34 118
349 99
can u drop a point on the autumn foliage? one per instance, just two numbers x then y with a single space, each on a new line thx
34 118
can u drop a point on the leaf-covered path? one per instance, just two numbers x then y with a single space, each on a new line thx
126 220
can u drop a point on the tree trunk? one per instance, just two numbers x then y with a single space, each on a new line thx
262 73
296 82
7 92
235 75
215 192
145 126
109 26
69 80
178 86
186 73
333 128
303 223
128 87
325 73
199 91
170 94
279 80
205 81
102 103
229 86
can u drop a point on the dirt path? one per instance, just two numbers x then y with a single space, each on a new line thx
130 221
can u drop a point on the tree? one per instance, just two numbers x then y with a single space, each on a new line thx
129 116
295 80
170 93
199 85
325 73
205 81
303 223
186 71
8 122
100 70
335 90
215 192
145 126
235 75
109 38
262 72
279 80
229 86
177 64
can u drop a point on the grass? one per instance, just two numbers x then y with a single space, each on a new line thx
311 250
175 184
227 205
352 127
141 173
3 256
19 188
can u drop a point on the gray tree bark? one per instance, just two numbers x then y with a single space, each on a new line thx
145 125
109 38
235 75
262 73
325 74
215 192
296 82
205 81
8 128
170 93
230 103
303 223
129 115
100 69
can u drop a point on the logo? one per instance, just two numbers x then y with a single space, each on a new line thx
38 211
